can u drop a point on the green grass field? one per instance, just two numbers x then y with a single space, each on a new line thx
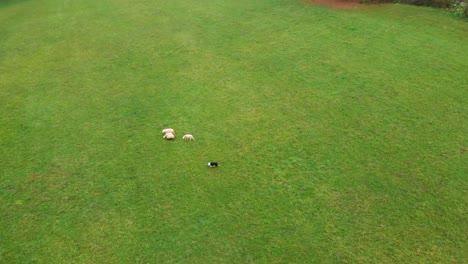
342 135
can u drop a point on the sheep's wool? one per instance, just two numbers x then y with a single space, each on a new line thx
169 136
188 137
168 130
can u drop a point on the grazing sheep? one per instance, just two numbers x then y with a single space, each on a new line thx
169 136
188 137
168 130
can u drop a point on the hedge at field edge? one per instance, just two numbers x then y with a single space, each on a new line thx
456 6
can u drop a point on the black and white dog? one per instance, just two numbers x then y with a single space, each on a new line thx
213 164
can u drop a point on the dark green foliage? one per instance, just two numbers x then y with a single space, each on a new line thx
459 9
455 6
431 3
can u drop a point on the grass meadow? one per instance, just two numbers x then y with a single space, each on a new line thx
341 134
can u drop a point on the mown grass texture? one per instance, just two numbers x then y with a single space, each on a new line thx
341 134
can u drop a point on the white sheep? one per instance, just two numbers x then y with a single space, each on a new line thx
169 136
168 130
188 137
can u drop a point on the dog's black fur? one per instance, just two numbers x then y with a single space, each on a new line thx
213 164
